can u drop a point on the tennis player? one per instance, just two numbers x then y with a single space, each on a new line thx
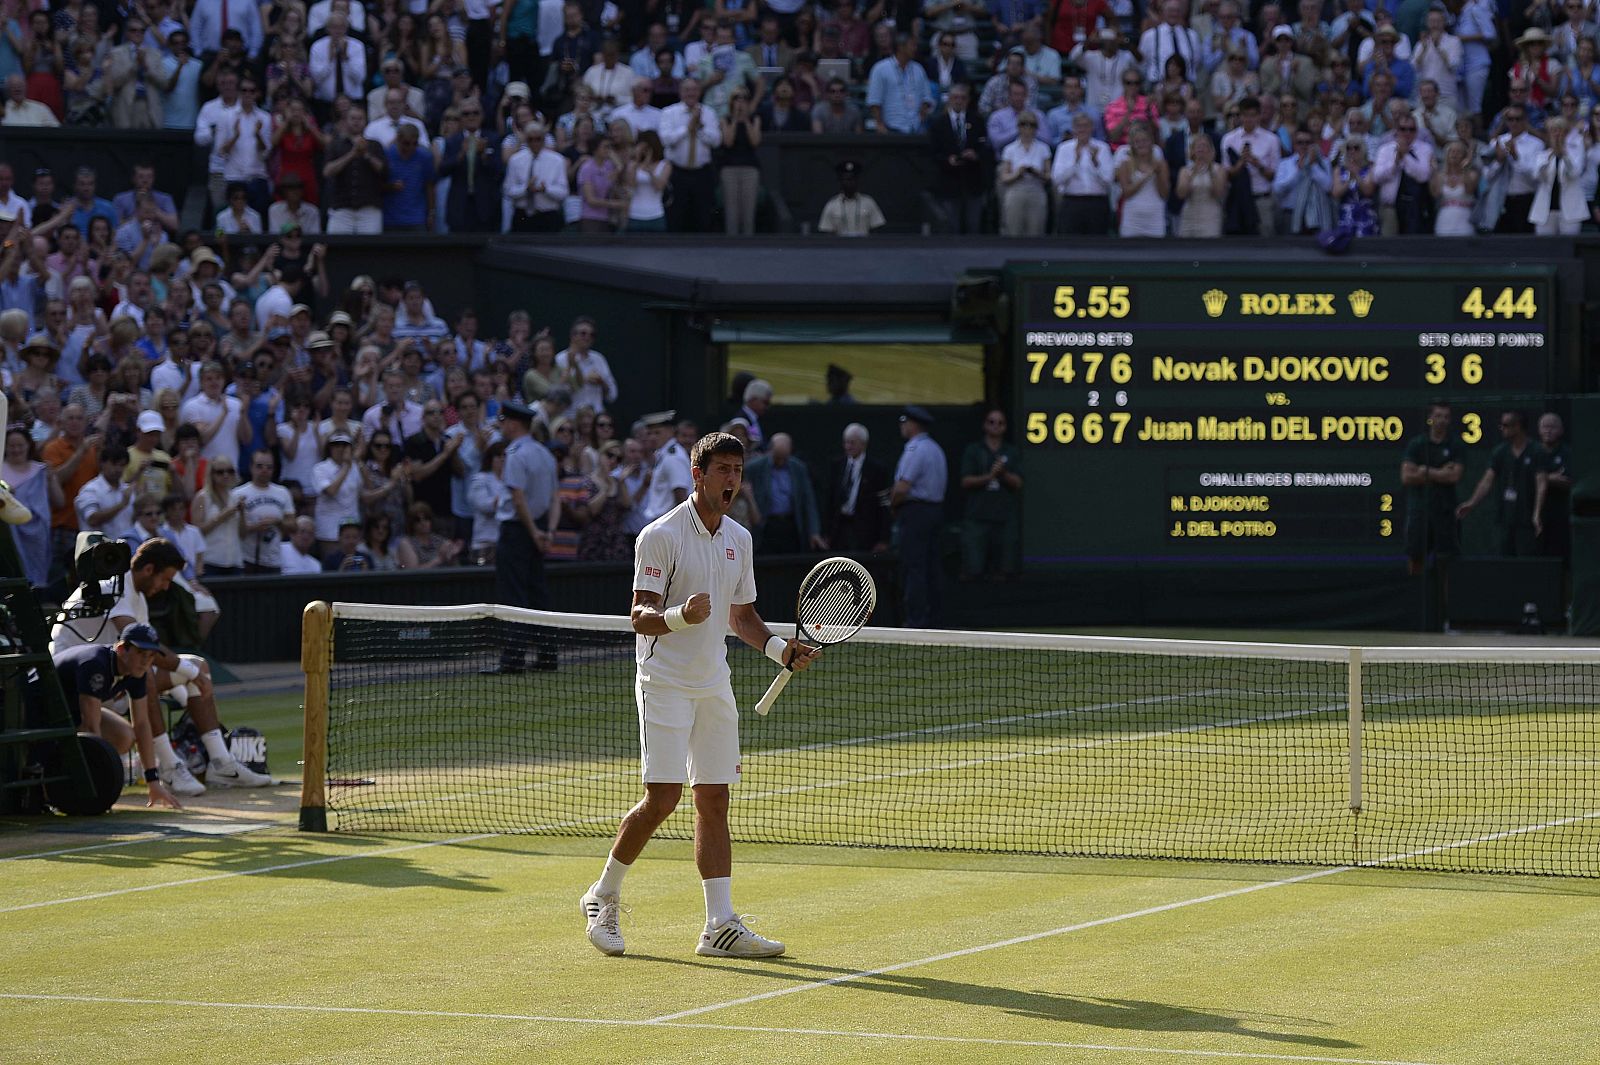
692 581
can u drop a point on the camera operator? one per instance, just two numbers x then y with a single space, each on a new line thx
97 612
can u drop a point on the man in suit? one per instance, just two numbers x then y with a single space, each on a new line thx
858 501
786 500
961 150
771 50
473 164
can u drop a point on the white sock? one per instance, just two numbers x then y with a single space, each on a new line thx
166 757
719 901
610 882
215 748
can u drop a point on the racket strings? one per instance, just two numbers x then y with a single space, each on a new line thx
838 605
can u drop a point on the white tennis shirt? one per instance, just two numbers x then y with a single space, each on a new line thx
677 557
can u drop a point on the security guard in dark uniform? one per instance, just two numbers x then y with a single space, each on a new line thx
918 502
526 519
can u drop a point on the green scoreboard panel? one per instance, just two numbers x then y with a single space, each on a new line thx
1249 412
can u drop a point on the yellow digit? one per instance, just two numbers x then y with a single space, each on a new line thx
1119 425
1471 428
1037 429
1119 301
1526 306
1435 374
1505 303
1065 304
1472 368
1092 361
1121 368
1036 361
1064 429
1093 428
1386 502
1385 527
1473 304
1097 301
1063 370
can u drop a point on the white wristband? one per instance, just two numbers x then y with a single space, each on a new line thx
675 619
776 646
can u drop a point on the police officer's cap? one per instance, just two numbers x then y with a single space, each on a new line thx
913 412
516 412
660 417
848 167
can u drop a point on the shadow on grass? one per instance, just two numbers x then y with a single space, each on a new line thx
367 862
1122 1014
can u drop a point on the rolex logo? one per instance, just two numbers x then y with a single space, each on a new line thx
1361 302
1216 302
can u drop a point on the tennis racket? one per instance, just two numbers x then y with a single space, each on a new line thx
836 599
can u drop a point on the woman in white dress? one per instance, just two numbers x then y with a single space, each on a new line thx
1558 207
1024 170
1144 181
1455 190
1201 186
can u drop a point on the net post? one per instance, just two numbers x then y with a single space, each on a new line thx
316 655
1354 690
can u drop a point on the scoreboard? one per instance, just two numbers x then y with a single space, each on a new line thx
1249 412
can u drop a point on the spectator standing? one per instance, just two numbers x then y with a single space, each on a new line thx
637 113
1511 166
337 483
1520 467
35 487
1455 188
246 142
209 19
917 497
476 170
1402 168
689 132
1353 189
1024 178
338 64
786 499
1301 186
1104 66
1254 152
74 460
408 204
899 96
1145 182
741 176
856 509
836 114
991 545
1558 206
396 414
651 175
215 415
535 184
596 385
1082 176
103 502
263 506
87 206
432 457
215 115
356 172
961 155
143 180
1127 109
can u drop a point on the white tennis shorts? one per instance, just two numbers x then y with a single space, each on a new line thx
688 738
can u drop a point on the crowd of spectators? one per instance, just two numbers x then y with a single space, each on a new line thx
1194 117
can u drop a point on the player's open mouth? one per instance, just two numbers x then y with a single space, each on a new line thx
727 497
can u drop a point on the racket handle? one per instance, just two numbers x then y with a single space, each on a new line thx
779 682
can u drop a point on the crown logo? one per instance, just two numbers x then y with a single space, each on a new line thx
1216 301
1361 302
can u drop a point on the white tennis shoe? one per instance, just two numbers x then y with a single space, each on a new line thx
734 940
234 774
180 781
604 915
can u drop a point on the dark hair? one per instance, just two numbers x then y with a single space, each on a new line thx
158 553
490 453
167 501
1249 103
713 444
187 431
1522 422
1438 404
114 454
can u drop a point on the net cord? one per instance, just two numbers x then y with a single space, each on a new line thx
1011 640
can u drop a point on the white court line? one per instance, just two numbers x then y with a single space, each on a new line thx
1102 921
604 1023
381 852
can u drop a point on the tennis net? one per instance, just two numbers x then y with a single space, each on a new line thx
1484 759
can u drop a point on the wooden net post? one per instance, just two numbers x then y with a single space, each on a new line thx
316 659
